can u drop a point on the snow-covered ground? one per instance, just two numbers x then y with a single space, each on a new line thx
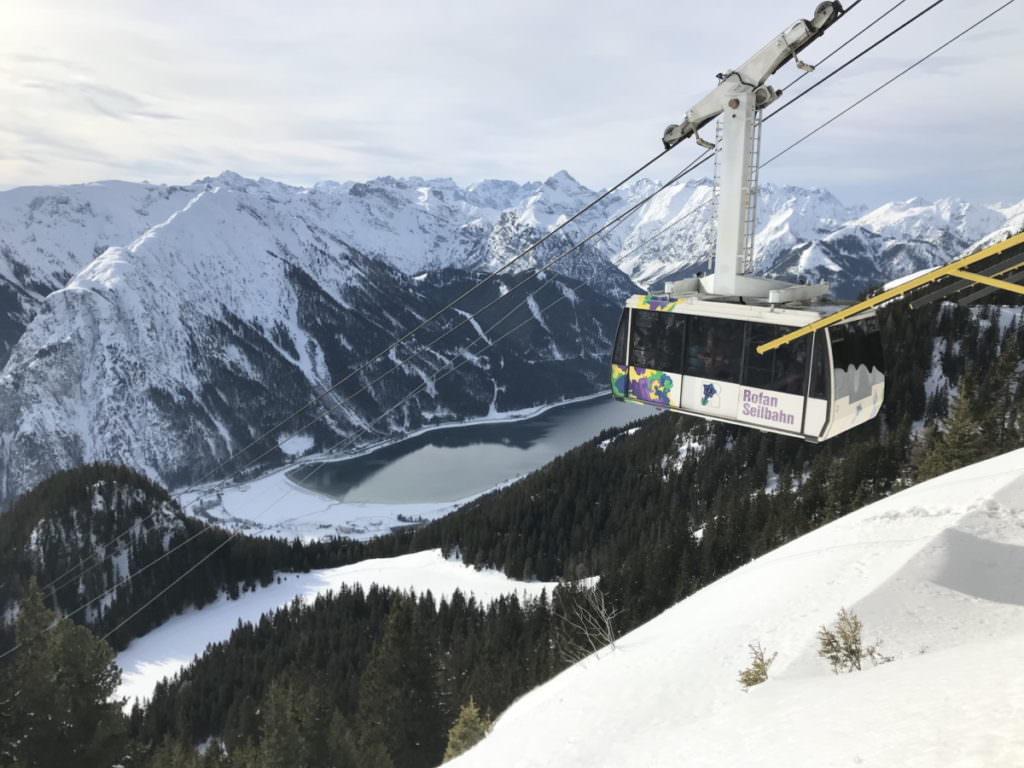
171 646
275 506
936 572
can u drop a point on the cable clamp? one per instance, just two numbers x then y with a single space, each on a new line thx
796 59
702 142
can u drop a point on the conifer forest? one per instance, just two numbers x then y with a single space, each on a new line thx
380 678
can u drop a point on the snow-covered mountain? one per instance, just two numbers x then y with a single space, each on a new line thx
808 233
165 327
934 572
172 351
47 234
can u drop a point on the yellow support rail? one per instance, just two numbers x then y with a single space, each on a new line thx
954 268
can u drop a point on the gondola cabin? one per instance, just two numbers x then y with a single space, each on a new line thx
698 357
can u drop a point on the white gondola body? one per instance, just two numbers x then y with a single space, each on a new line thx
830 384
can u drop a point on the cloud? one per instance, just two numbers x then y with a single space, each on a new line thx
350 90
103 99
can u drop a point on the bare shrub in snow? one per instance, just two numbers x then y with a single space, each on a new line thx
757 672
586 623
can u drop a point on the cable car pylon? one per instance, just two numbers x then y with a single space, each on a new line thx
693 347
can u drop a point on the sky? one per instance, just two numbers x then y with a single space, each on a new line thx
474 89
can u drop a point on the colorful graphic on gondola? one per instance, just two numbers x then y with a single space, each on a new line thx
655 387
620 375
658 303
709 396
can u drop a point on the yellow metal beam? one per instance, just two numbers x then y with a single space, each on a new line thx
953 268
1003 284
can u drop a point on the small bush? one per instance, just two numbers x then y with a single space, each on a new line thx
469 728
843 647
757 672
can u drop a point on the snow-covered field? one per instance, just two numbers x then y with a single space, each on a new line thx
171 646
275 506
936 572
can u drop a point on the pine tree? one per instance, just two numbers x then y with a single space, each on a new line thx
399 704
1003 390
284 716
963 440
172 754
757 672
340 747
61 686
469 728
842 646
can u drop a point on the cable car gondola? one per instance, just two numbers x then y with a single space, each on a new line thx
699 357
694 349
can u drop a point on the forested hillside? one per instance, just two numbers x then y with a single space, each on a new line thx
84 531
682 502
378 678
656 514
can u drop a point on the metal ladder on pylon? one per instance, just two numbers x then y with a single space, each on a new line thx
750 195
749 189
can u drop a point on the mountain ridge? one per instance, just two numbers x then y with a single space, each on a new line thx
262 309
269 294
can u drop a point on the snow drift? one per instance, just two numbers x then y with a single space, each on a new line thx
936 572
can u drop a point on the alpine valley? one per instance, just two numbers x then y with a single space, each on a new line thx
167 327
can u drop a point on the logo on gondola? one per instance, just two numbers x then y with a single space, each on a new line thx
710 395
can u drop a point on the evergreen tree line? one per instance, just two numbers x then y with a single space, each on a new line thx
682 502
57 533
656 515
372 679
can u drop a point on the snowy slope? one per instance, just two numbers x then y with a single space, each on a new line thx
936 572
171 646
47 234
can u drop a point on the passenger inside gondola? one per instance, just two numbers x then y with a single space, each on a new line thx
715 349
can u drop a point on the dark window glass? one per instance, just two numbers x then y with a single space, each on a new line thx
780 369
656 340
714 348
819 384
856 357
619 349
856 344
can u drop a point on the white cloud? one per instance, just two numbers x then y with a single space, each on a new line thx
350 90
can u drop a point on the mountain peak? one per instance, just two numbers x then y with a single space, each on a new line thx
561 178
228 179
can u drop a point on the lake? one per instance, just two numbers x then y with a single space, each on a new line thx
451 463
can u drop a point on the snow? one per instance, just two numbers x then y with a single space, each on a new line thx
815 257
173 645
275 506
936 572
296 445
906 278
603 445
535 310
